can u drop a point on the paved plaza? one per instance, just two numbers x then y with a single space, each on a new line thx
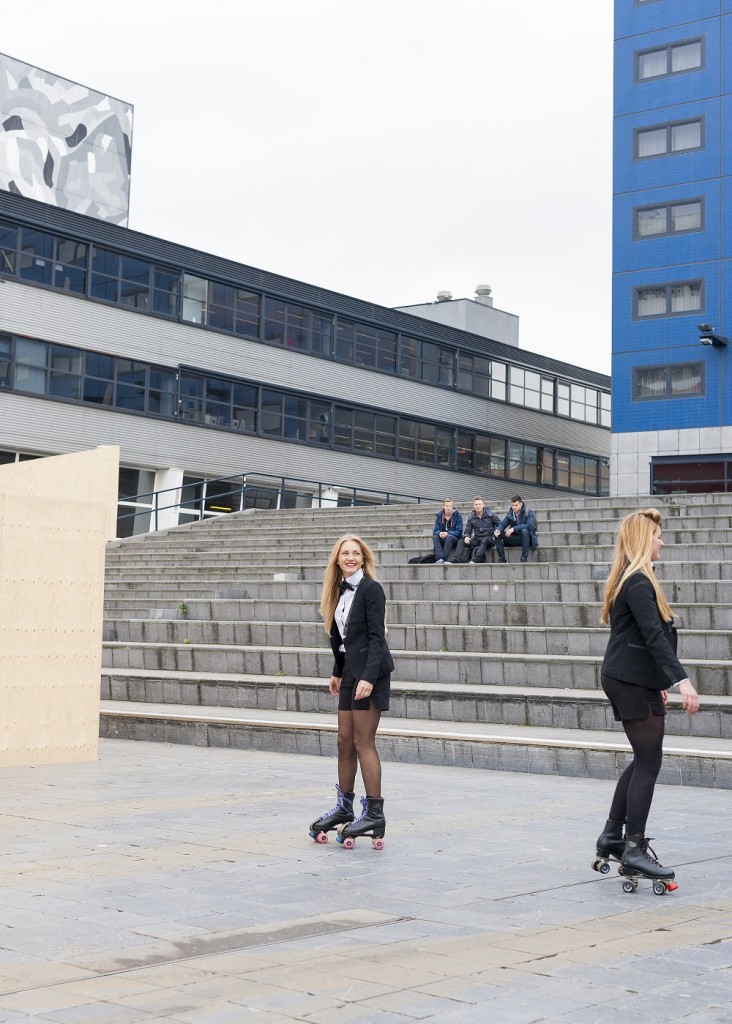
178 884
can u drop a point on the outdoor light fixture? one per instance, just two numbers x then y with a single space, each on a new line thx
708 336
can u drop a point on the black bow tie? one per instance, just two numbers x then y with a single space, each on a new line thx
343 586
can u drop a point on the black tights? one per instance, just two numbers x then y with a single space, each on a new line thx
634 791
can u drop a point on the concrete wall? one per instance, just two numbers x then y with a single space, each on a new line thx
56 516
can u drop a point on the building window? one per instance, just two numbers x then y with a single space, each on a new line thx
668 219
668 299
524 462
366 346
679 137
426 361
673 59
531 389
582 403
8 247
605 410
677 380
364 431
577 472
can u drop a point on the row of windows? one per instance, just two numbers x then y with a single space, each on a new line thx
668 218
43 368
98 273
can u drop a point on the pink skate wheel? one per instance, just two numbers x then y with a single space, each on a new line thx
349 843
322 837
378 844
672 886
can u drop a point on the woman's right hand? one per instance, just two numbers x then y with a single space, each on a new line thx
689 697
334 685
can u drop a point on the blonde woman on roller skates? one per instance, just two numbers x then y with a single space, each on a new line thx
353 606
640 665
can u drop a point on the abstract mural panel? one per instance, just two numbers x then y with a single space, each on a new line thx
64 144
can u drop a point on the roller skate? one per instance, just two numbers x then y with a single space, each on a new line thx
371 823
637 863
339 815
610 846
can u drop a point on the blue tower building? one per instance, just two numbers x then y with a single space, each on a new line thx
672 247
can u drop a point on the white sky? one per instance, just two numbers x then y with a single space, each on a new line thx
386 149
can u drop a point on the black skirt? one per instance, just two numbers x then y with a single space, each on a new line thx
379 695
631 702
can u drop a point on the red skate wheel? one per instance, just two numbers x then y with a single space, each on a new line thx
378 844
349 843
322 837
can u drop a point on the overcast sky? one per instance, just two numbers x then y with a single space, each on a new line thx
386 149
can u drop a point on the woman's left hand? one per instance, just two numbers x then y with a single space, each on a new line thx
363 689
689 697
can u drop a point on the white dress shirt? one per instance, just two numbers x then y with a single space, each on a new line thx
343 608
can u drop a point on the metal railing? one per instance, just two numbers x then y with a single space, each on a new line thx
206 499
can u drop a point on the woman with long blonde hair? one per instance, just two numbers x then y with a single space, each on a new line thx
353 607
640 665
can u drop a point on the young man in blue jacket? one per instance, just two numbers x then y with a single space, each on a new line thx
447 532
518 527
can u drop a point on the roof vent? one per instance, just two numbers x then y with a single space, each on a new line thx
444 296
483 294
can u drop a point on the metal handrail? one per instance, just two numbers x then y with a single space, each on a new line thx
151 500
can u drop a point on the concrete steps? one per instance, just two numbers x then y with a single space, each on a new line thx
489 639
497 666
539 707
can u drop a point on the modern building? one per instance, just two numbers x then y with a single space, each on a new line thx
201 368
672 290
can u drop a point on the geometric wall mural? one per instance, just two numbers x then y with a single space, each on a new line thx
64 144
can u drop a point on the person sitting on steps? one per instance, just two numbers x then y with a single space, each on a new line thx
478 534
447 532
517 528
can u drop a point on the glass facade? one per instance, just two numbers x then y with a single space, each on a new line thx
105 275
36 367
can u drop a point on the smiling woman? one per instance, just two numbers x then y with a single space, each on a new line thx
353 606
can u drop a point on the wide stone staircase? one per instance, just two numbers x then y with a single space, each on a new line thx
212 637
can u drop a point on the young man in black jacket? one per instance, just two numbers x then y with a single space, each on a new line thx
478 534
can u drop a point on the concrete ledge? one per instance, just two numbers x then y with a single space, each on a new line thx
688 760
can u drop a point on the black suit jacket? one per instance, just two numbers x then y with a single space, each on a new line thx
642 647
368 654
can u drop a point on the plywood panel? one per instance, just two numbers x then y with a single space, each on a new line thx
56 516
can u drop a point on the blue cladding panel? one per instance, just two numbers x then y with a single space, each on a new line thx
707 174
673 168
633 19
672 89
688 247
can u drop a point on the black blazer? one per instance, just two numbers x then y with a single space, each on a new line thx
368 655
642 647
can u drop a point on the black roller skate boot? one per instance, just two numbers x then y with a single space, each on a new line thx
341 814
371 823
637 862
610 846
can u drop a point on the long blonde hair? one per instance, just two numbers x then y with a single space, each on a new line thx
330 593
633 550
